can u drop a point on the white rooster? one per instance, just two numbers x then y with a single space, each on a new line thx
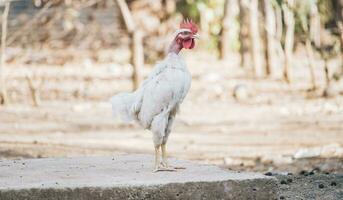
154 104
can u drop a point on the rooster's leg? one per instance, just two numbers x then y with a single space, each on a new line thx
164 156
164 162
159 166
157 158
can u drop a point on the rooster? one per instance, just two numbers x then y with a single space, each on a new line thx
155 103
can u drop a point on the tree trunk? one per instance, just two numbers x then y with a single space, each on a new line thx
224 35
315 25
228 32
326 70
3 91
137 57
279 24
255 39
338 9
289 37
269 36
137 52
313 34
244 33
311 64
280 54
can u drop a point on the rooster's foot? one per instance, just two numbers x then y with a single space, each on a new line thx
164 169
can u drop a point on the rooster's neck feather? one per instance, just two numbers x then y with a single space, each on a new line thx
174 47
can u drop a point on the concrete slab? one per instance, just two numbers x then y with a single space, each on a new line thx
126 177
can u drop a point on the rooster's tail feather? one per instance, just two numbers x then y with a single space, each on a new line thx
124 106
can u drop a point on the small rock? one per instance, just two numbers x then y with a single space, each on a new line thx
307 153
333 183
316 169
321 186
211 77
303 172
81 107
283 182
268 174
241 92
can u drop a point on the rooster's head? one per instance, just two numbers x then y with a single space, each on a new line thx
186 34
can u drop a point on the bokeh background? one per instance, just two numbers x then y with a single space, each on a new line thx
267 90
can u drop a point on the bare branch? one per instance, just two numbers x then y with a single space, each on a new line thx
3 92
34 90
124 9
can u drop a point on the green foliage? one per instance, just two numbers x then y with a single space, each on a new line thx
212 10
189 9
207 11
302 13
325 11
277 2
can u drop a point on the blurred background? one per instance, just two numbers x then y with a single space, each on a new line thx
267 90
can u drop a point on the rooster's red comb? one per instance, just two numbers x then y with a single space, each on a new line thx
188 24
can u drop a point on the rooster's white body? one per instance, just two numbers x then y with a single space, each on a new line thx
154 104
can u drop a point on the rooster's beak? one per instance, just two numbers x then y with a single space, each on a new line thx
196 36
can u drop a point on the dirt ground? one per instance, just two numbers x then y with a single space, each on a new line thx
311 185
227 119
239 141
